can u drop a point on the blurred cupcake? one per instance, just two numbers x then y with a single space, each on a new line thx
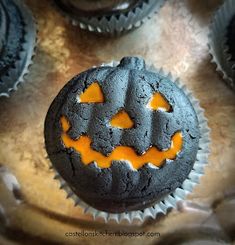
222 41
126 141
109 16
17 42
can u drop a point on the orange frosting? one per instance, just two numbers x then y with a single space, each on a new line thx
93 94
120 153
122 120
158 102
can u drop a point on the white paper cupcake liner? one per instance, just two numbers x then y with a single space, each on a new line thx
15 75
218 42
169 201
118 23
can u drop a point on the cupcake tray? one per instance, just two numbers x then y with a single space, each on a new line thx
31 206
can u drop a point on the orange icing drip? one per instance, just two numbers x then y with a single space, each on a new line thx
124 153
93 94
158 102
122 120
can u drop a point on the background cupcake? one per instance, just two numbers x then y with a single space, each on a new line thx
222 41
104 16
17 42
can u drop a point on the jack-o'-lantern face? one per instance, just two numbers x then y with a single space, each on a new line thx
116 134
121 120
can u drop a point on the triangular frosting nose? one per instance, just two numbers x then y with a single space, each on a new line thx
122 120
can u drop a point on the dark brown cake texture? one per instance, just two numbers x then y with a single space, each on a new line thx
17 42
99 8
231 38
108 16
122 137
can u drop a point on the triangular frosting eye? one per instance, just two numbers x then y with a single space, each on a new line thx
93 94
158 102
122 120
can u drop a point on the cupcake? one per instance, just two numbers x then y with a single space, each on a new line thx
123 138
231 39
109 16
17 42
221 41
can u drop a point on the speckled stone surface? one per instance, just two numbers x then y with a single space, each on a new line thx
176 39
128 86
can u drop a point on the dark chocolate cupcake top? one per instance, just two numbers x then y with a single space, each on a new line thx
231 38
11 35
122 137
17 43
108 17
99 8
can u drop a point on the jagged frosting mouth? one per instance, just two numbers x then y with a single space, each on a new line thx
121 153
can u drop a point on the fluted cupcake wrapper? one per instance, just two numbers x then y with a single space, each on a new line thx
169 201
15 74
218 42
118 23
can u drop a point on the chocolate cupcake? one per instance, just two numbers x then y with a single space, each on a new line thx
122 138
109 16
231 39
17 42
221 41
